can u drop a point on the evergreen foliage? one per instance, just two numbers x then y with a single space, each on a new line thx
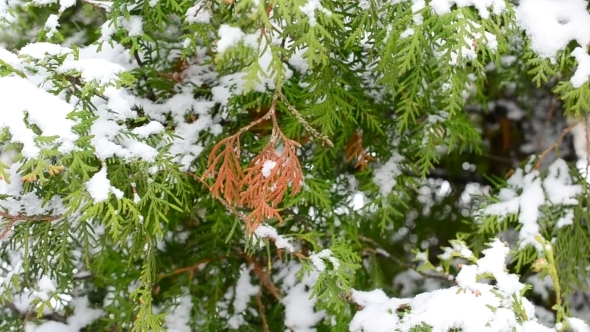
299 165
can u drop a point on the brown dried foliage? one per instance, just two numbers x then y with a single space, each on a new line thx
355 151
259 187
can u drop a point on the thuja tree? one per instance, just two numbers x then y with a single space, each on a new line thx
298 165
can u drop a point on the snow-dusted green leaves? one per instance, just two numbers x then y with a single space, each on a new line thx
559 43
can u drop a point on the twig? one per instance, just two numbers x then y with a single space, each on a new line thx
383 253
262 314
556 143
52 316
137 58
21 217
190 269
75 81
306 124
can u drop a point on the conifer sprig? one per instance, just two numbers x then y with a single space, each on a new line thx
262 185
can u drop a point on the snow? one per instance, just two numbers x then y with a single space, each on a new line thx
83 315
300 313
407 33
578 325
266 231
178 320
267 167
242 293
471 306
107 31
441 7
385 175
228 37
134 25
46 284
198 13
51 25
45 110
99 70
152 128
318 260
567 219
309 9
583 71
42 50
551 25
65 4
99 186
416 7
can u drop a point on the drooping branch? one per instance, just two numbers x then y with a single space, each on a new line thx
52 316
12 219
262 185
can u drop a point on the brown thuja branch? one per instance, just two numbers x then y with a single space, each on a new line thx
265 327
264 277
355 151
270 174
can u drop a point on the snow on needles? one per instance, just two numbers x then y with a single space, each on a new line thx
551 25
99 186
442 7
471 306
47 111
319 263
266 231
557 189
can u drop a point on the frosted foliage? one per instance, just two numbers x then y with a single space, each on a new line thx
319 260
310 9
266 231
127 131
99 187
110 136
444 6
558 187
471 306
19 95
552 25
